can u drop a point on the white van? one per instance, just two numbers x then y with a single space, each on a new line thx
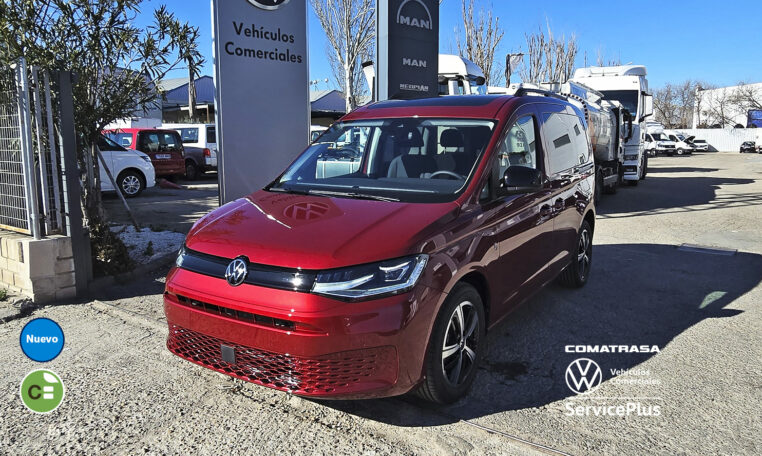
683 145
203 136
656 141
132 170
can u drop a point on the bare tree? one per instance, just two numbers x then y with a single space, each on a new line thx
674 104
483 34
349 27
747 97
549 58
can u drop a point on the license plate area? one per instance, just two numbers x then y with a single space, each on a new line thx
163 156
228 354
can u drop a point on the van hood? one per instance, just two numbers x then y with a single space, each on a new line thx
314 232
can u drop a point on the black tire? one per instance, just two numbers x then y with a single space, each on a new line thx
438 385
575 275
645 168
131 183
598 195
680 151
191 170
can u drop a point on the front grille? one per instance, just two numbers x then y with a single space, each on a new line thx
237 314
328 374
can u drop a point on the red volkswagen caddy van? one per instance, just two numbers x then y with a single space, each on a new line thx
376 263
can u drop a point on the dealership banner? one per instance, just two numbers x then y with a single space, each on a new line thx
261 75
407 48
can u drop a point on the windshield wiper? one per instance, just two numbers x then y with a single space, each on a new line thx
287 190
354 195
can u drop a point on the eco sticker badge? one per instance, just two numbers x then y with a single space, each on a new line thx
42 391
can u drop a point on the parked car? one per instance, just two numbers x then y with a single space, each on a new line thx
200 142
132 170
748 146
700 145
163 146
385 279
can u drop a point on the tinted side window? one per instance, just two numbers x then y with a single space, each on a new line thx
567 141
211 135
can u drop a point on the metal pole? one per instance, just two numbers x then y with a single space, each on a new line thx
41 153
27 156
80 238
53 155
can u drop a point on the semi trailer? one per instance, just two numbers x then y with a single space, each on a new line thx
609 127
626 84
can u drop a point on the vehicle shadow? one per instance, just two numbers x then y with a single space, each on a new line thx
660 194
680 169
667 292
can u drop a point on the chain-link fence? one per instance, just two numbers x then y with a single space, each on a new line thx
30 176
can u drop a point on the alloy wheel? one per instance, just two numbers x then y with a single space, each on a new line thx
131 184
583 253
461 342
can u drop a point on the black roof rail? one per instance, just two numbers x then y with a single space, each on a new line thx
529 90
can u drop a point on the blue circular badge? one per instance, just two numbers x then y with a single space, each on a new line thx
42 339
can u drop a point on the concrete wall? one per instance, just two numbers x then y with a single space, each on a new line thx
725 139
41 269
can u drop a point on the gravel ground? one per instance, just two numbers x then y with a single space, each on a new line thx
127 394
137 242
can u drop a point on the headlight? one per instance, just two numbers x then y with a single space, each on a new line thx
373 280
180 255
146 158
630 157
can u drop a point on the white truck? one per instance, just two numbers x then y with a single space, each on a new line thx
628 85
460 76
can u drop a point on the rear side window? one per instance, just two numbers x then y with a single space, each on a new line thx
189 135
567 141
211 135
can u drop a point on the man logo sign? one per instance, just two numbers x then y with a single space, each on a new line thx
268 4
422 21
583 375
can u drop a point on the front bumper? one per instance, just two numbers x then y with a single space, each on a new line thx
302 343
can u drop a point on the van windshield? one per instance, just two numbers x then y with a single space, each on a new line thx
412 160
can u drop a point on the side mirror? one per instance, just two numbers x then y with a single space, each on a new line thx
520 179
648 107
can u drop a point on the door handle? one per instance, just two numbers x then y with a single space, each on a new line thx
545 210
559 204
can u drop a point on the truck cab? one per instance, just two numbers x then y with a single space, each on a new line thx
628 85
460 76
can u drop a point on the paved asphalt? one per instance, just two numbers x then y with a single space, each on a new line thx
702 309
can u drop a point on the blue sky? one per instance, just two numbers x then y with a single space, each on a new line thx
717 42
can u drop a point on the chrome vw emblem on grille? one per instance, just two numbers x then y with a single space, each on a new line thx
236 272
